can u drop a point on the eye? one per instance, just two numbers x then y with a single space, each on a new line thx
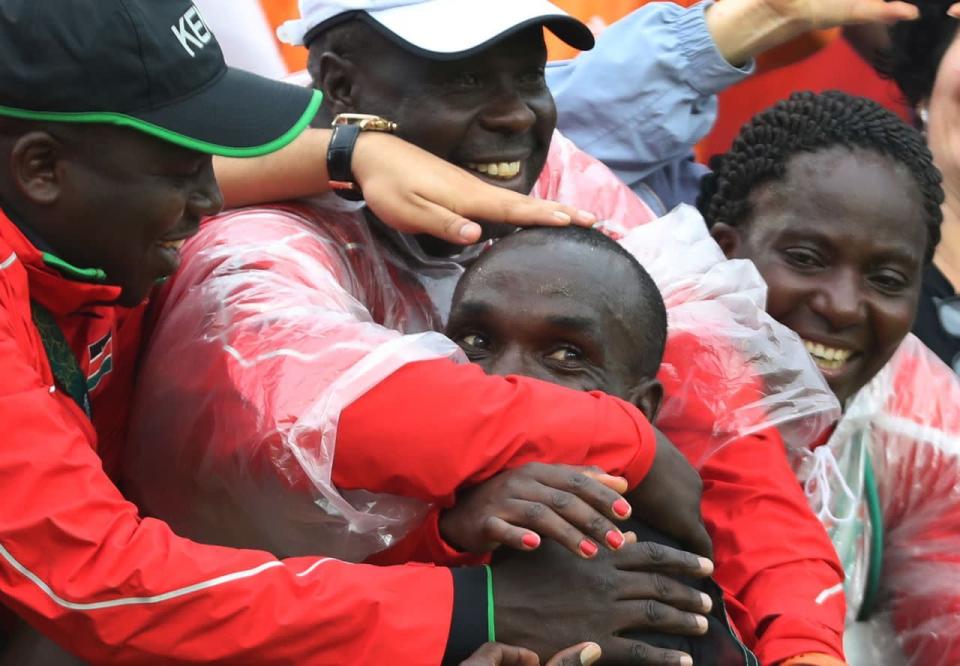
188 171
533 77
803 258
890 281
473 342
567 355
465 80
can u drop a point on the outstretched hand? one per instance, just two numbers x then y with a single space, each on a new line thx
498 654
415 192
818 14
408 188
743 29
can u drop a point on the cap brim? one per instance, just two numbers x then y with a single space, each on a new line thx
239 114
424 28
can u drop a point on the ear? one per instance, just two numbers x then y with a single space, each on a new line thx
647 396
728 238
33 167
337 78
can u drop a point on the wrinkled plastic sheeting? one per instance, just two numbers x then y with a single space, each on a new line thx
743 350
268 333
263 341
906 423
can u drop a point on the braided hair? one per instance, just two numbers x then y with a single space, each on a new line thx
805 123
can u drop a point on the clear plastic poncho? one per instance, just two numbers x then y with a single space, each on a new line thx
887 487
767 375
281 317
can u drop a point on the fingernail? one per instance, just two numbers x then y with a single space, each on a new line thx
531 540
563 217
586 217
702 622
622 508
686 660
706 566
470 231
706 601
615 539
588 548
590 654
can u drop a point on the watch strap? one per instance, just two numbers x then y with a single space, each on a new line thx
339 161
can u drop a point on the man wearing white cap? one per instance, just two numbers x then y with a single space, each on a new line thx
315 378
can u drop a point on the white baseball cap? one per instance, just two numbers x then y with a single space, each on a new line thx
438 29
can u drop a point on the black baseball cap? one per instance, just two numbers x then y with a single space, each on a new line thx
151 65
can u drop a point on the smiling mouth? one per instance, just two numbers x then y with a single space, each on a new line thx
499 170
828 358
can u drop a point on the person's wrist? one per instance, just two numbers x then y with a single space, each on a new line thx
371 152
343 163
470 617
340 162
446 526
743 29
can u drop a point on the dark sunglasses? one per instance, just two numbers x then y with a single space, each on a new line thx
948 311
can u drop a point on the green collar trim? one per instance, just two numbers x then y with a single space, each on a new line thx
69 270
123 120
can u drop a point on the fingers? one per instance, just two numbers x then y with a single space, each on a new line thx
599 490
498 531
566 505
553 515
584 654
618 484
879 11
655 557
636 585
494 204
873 11
416 192
653 615
497 654
954 10
626 651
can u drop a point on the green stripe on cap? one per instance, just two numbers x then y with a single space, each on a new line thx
123 120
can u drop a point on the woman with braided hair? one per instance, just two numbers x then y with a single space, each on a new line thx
838 204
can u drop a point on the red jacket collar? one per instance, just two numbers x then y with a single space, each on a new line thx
57 290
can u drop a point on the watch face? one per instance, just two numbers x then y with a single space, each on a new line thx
365 121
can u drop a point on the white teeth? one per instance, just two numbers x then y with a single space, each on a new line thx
173 245
829 358
503 170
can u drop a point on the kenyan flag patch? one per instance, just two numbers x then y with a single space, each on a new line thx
101 361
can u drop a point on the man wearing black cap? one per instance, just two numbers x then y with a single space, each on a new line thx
110 111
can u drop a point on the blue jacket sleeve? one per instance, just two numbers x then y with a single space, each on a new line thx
644 96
